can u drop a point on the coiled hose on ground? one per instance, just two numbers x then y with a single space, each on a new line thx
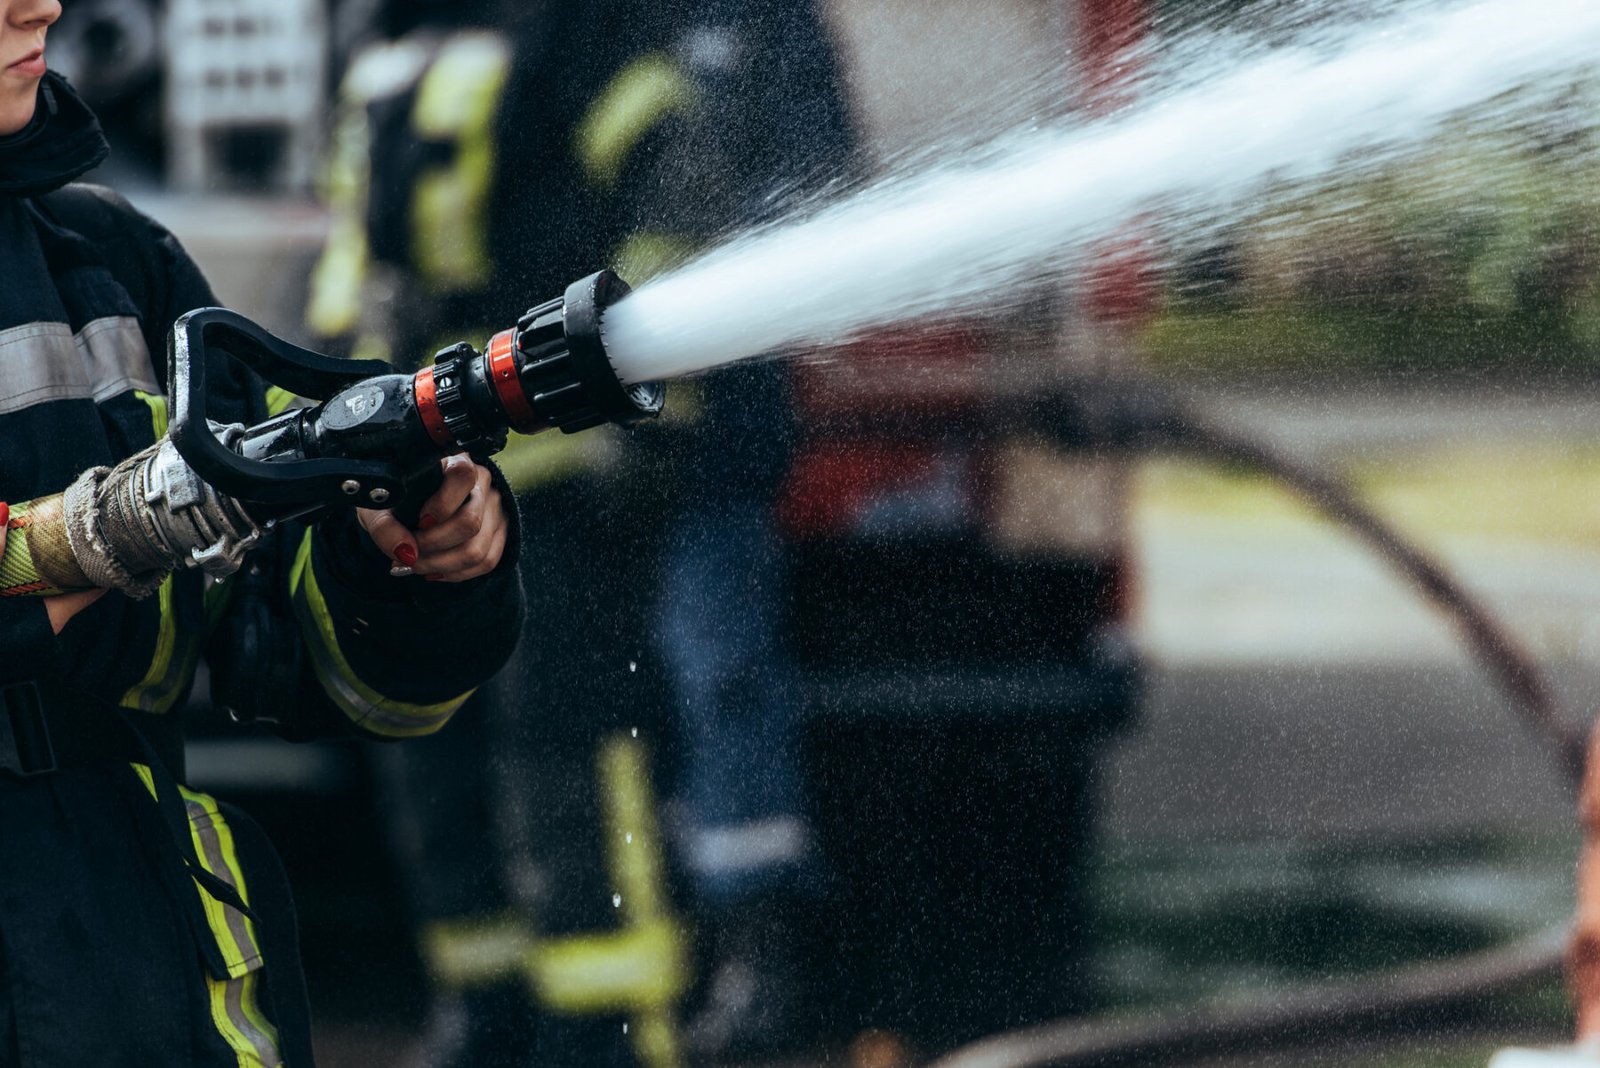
1148 418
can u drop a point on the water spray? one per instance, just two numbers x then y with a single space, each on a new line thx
204 495
963 239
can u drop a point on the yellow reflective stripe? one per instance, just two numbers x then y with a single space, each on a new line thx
158 411
334 301
461 87
234 1008
643 968
235 1001
218 598
655 1038
213 845
236 1014
279 400
642 94
648 253
632 835
640 966
634 855
168 674
157 691
372 346
366 707
457 101
333 306
250 1003
463 953
685 402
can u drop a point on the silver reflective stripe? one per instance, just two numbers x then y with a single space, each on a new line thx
44 362
261 1044
747 847
211 846
366 713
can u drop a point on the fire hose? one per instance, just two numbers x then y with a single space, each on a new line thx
1148 418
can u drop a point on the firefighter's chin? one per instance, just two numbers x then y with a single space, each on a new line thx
19 97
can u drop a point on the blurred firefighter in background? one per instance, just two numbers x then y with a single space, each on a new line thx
479 163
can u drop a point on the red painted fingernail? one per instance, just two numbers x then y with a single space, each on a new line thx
427 522
406 553
5 513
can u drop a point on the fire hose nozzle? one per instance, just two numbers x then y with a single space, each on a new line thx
579 313
204 496
550 371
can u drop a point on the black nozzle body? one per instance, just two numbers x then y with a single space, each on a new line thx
565 372
550 371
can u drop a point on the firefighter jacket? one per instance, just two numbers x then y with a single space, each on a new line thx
122 900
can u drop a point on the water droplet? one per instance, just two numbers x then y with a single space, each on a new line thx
636 732
629 837
616 901
624 1026
633 665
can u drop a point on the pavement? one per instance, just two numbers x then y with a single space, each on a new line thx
1319 691
1501 483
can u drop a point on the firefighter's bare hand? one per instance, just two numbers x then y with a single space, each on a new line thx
64 606
461 532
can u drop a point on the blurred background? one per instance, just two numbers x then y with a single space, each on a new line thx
1075 729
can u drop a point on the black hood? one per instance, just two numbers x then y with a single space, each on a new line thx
62 142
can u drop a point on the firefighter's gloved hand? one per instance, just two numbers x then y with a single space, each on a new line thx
461 532
61 607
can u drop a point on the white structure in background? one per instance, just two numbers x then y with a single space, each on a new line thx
245 92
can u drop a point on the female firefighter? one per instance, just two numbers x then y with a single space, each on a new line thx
140 922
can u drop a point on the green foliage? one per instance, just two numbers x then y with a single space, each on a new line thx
1477 249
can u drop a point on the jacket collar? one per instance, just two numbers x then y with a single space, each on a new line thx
61 143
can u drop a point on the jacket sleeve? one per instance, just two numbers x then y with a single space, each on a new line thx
394 658
383 658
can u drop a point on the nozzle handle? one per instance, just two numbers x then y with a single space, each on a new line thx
190 345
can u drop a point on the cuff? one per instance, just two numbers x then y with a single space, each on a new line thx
354 563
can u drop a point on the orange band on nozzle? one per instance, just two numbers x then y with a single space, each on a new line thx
502 353
426 392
